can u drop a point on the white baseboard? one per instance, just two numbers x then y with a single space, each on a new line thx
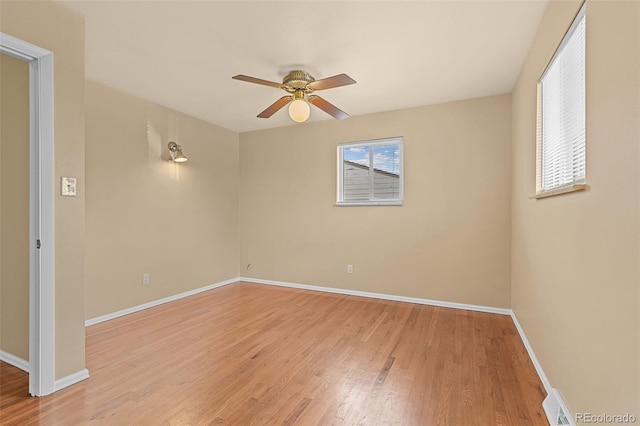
59 384
71 379
479 308
15 361
534 360
151 304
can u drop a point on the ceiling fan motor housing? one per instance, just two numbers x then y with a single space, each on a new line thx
297 80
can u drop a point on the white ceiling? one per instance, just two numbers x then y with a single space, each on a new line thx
182 54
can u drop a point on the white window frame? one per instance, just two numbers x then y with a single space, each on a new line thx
578 182
397 140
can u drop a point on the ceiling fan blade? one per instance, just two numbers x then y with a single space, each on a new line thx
274 107
257 81
328 107
331 82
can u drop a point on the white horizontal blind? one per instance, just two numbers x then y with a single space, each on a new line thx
356 181
370 172
563 112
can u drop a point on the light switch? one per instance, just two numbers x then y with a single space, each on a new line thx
68 187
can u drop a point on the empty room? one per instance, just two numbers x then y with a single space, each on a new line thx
320 212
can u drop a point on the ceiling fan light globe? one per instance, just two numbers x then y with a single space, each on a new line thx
299 110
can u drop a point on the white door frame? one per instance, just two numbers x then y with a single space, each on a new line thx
41 213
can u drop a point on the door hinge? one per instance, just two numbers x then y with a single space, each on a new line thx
38 244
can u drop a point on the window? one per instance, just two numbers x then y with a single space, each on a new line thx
561 115
370 172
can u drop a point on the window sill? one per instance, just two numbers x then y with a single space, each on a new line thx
368 203
560 191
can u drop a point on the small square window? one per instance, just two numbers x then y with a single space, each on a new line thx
370 172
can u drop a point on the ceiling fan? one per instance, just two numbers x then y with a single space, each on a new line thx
301 85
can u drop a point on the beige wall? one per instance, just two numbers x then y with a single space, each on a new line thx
14 206
468 233
177 222
575 270
53 27
451 239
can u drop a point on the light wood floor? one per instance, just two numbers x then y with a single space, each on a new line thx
253 354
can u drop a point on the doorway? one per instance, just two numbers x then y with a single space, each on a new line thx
41 243
14 211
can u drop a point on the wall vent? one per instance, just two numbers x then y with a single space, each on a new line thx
556 410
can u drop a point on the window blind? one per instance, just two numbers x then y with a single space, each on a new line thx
563 112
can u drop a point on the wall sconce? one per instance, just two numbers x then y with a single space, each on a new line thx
175 151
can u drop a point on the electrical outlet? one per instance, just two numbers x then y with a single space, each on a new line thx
145 279
349 269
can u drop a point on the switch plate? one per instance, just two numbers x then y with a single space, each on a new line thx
349 269
68 187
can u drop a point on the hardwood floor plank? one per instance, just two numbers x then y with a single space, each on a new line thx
252 354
